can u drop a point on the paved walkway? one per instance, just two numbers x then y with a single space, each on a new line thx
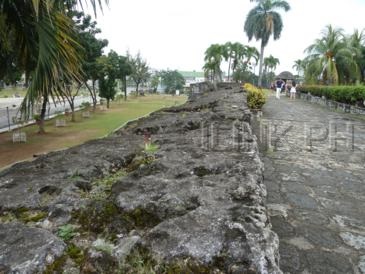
315 176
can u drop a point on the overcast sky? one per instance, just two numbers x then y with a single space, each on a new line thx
174 34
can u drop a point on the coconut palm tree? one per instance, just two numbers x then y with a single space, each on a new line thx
299 66
238 53
356 42
45 46
331 59
251 53
228 52
270 63
262 22
214 56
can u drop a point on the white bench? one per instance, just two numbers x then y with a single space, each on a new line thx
86 114
102 108
60 122
19 137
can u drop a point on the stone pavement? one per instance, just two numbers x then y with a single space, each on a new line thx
315 177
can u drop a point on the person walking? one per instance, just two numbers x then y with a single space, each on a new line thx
279 85
293 90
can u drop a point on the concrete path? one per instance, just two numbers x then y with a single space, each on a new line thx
315 177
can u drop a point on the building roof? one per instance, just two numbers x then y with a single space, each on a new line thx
192 74
285 75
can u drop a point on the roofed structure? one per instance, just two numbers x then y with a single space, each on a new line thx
285 75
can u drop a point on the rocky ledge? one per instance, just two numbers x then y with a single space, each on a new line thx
191 202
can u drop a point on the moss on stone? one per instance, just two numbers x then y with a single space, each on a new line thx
142 159
140 260
23 214
76 254
142 218
101 216
32 216
56 266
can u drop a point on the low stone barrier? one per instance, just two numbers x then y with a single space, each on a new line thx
331 104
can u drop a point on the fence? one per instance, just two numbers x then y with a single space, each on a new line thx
10 114
331 104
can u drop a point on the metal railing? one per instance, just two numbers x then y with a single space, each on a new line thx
10 114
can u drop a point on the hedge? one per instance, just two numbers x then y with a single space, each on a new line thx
342 94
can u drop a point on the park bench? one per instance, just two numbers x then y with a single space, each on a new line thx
19 137
60 122
86 114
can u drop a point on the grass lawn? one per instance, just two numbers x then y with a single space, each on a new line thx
100 123
10 92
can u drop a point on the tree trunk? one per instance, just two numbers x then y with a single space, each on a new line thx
260 64
92 93
107 103
229 67
42 116
137 88
72 106
125 88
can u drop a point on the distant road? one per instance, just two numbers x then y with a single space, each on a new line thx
13 105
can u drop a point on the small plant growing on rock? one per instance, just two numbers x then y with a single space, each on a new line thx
148 145
66 232
151 148
103 246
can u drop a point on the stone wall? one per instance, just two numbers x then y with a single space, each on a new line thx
199 88
193 202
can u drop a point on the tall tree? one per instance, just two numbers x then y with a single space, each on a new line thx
227 53
172 80
356 43
262 22
330 57
108 75
299 66
214 56
140 73
125 69
238 52
92 49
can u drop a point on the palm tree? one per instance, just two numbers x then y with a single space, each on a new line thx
228 52
262 22
45 47
270 64
239 51
299 66
213 58
330 58
251 53
356 42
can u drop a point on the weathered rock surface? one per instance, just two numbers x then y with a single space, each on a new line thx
199 197
27 250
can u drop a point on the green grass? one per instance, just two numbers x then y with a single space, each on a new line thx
101 123
10 92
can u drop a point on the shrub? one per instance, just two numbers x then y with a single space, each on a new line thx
342 94
255 97
85 105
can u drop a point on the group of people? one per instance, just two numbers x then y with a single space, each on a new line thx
287 86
